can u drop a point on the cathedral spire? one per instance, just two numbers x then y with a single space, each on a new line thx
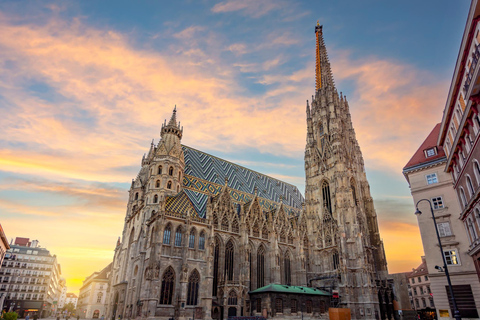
323 72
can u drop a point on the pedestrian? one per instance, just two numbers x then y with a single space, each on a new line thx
101 318
78 317
27 317
58 316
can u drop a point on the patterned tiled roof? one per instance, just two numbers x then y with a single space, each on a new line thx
205 175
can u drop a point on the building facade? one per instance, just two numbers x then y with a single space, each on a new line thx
93 295
72 298
30 277
427 178
200 232
4 246
460 128
61 299
421 297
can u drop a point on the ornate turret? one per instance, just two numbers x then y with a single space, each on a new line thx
171 133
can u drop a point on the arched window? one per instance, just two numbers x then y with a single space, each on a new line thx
157 184
216 255
354 194
169 185
327 202
232 298
463 197
229 254
477 218
136 195
168 283
471 190
159 169
471 229
288 274
201 241
155 198
260 267
283 237
476 170
179 175
191 239
235 226
225 223
335 261
166 235
170 171
192 293
178 237
99 297
178 188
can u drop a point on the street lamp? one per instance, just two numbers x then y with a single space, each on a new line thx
456 313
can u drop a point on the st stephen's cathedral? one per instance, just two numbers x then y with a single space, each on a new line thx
206 238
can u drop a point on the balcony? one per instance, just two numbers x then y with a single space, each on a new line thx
475 58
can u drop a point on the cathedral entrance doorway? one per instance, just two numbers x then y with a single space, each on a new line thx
232 312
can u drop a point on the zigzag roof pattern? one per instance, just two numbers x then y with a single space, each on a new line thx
205 175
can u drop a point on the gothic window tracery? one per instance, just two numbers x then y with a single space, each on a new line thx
201 241
168 283
232 298
286 268
191 239
229 254
261 267
225 223
335 260
235 227
216 256
166 234
178 237
327 202
193 283
282 236
328 240
290 238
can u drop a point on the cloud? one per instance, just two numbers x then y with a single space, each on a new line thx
253 8
390 94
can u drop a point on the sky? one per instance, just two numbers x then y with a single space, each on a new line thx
86 85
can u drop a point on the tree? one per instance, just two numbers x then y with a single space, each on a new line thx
69 306
9 316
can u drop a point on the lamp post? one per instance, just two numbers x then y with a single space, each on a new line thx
456 313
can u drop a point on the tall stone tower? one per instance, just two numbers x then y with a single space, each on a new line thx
349 255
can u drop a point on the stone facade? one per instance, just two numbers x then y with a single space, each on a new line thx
201 232
347 251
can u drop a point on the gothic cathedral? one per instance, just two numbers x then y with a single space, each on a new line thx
202 236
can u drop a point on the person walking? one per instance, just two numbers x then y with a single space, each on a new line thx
27 317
